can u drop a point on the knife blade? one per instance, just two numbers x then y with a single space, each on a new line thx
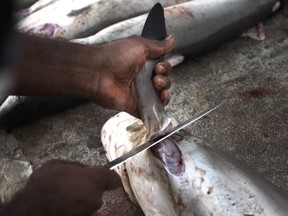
120 160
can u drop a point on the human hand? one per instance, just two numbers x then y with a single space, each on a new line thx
63 188
119 62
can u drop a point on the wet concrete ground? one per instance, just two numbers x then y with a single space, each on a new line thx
252 126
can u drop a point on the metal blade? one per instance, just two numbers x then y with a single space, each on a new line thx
118 161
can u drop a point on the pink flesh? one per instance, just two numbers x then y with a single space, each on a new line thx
46 30
257 32
171 156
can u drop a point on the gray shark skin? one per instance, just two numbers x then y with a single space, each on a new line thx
200 26
16 110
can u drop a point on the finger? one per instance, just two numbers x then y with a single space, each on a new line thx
163 68
108 179
164 97
112 180
158 48
161 82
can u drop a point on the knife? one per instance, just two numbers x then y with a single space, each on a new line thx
120 160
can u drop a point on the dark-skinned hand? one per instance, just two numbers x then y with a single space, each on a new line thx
63 188
119 65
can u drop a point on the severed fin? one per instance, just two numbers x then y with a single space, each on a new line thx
155 27
150 107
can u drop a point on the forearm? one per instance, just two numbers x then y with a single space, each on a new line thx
47 67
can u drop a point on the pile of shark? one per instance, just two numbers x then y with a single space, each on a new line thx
209 182
78 22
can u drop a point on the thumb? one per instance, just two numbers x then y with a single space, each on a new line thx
158 48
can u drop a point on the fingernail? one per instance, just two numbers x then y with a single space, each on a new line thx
161 68
165 97
161 81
